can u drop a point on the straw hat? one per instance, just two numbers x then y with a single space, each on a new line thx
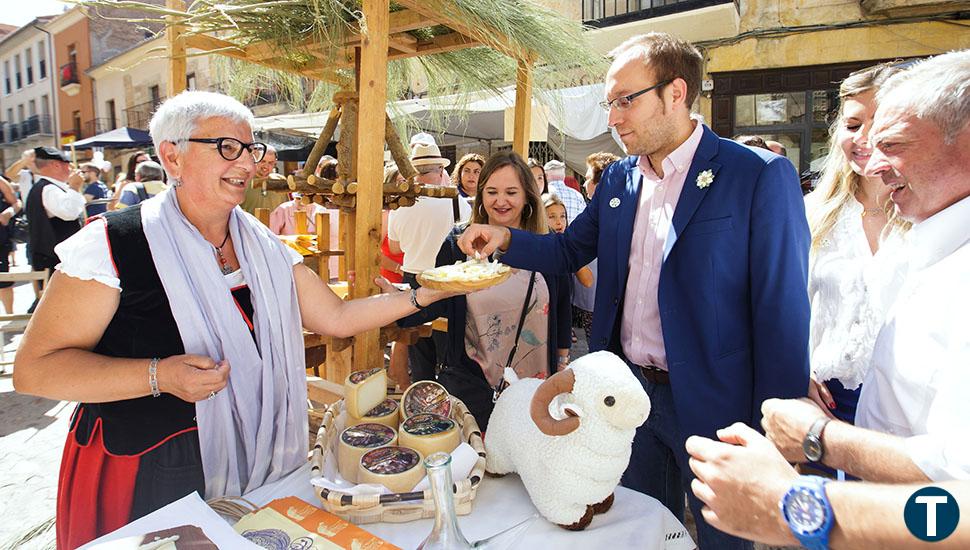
424 154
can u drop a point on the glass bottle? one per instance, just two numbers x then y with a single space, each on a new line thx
446 534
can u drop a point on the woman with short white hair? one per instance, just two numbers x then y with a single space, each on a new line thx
177 325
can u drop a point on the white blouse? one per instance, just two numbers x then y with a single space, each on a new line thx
86 255
843 324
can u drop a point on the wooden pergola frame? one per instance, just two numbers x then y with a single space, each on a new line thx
368 53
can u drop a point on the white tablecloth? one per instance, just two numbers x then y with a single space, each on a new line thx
634 521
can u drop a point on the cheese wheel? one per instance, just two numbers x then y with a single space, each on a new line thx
429 434
387 413
397 468
357 440
364 390
425 397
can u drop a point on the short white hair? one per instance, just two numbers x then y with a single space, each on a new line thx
936 90
177 118
555 167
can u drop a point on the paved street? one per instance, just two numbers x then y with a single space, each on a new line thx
32 434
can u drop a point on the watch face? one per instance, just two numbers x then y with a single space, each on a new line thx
805 513
812 448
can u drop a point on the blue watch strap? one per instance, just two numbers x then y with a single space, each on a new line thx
809 489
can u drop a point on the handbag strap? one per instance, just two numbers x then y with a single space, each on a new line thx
518 332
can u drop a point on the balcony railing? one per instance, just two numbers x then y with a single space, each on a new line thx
138 116
35 125
97 126
604 13
69 74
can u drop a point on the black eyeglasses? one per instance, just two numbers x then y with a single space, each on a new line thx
231 148
623 102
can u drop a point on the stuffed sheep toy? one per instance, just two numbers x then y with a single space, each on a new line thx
568 437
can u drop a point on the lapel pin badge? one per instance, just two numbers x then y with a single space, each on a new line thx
614 202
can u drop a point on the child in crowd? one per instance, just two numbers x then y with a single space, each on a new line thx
556 217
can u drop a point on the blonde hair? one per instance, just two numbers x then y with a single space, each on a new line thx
552 199
838 183
535 220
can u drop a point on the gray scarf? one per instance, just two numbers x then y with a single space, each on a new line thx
255 430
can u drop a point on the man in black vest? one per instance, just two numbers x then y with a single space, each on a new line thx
54 207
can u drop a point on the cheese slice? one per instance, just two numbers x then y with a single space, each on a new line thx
387 413
429 434
364 390
357 440
425 397
397 468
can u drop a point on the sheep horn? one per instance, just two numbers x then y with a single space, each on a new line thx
561 382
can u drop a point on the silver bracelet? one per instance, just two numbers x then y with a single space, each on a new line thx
153 377
414 299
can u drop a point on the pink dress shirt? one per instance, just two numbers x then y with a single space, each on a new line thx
641 333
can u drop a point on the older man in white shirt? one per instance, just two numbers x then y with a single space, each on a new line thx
54 207
913 416
571 198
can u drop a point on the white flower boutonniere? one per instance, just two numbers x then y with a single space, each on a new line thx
704 179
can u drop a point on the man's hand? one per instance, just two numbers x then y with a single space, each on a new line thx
191 377
481 240
75 180
787 421
741 482
5 216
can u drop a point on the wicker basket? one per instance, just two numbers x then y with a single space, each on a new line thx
460 286
395 507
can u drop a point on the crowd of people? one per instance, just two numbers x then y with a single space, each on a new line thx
788 344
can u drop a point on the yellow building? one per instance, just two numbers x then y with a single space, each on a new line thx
772 67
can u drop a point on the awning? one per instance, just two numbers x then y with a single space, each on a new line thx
119 138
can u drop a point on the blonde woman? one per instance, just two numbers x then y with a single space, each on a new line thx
483 327
849 216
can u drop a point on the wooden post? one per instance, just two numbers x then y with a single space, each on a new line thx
176 52
322 141
300 221
372 90
323 244
522 128
262 214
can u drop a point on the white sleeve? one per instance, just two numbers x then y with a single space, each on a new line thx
295 257
943 451
65 204
86 255
392 232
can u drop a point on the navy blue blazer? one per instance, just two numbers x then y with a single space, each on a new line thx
732 292
462 376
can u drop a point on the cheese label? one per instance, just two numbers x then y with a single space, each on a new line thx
388 406
361 375
427 397
390 460
367 435
427 424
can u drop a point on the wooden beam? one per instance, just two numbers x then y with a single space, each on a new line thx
522 125
488 36
403 42
370 169
176 51
318 69
440 44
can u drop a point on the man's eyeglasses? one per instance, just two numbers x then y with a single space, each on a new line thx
231 148
623 102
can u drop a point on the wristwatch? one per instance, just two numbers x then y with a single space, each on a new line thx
812 444
807 510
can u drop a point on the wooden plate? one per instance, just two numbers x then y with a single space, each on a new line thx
463 286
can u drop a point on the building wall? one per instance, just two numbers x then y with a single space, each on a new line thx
74 35
19 98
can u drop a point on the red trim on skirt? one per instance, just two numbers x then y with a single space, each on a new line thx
95 488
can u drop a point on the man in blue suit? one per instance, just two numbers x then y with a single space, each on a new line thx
703 255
